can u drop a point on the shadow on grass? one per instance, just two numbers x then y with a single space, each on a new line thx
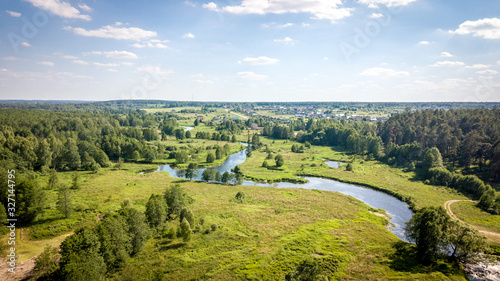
168 244
405 259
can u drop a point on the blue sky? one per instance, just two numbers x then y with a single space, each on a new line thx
251 50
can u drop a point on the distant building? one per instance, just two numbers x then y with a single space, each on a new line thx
254 126
200 117
235 118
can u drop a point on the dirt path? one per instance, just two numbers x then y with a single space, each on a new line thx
493 236
24 268
242 117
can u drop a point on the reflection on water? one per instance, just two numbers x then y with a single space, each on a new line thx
334 164
396 209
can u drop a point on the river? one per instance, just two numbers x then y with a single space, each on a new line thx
397 210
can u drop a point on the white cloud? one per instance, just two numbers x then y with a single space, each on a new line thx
47 63
477 66
205 82
424 43
249 75
487 72
325 58
114 32
286 40
289 24
155 43
189 3
112 70
13 14
81 62
155 70
320 9
26 44
59 8
376 16
379 71
10 58
188 36
262 60
69 57
85 8
447 63
446 55
388 3
211 6
488 28
115 54
106 64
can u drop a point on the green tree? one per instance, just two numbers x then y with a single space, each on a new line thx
75 178
137 227
191 171
70 156
210 157
240 196
208 175
187 214
174 196
80 257
44 155
53 179
156 210
185 230
279 160
188 134
265 164
135 155
432 159
29 200
218 153
429 230
46 263
181 157
348 167
218 176
464 240
64 201
233 138
115 241
226 177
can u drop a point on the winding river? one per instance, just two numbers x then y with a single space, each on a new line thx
397 210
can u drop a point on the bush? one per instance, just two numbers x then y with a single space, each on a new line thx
348 167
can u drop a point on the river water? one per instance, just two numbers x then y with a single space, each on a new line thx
397 210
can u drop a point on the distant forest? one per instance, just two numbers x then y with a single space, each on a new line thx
463 144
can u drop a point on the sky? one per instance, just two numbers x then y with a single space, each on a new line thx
251 50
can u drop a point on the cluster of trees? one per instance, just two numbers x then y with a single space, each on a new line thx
466 138
100 251
91 253
436 235
40 140
211 175
215 136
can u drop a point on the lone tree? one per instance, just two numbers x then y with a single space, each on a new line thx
191 171
64 201
185 230
156 210
210 157
429 229
240 196
279 160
